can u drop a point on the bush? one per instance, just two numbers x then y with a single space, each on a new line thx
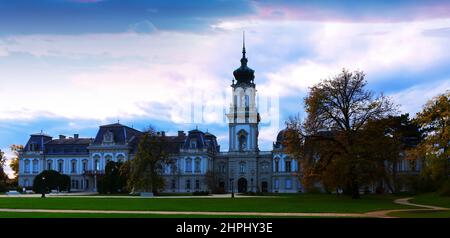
3 187
53 181
445 189
314 190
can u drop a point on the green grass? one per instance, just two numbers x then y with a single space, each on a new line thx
299 203
432 199
421 214
89 215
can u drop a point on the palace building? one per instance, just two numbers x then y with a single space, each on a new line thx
194 156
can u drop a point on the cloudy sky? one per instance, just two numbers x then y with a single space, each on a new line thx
68 66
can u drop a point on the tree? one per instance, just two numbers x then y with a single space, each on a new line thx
53 181
147 166
387 141
3 176
14 164
434 121
114 180
338 108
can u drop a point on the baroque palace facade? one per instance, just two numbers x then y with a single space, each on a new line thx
243 168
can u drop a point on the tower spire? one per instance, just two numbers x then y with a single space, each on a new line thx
244 59
243 44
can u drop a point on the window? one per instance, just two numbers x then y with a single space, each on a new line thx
96 165
73 167
235 100
242 167
276 167
108 158
27 166
108 137
188 165
242 142
197 184
288 184
223 168
120 158
75 184
197 165
84 165
173 184
60 166
193 144
35 166
87 183
277 184
49 165
288 166
247 101
188 184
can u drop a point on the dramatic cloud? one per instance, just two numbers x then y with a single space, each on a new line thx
171 64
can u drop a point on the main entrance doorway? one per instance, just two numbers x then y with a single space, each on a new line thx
242 185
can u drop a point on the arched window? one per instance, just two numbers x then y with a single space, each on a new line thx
197 165
35 166
276 166
242 137
193 144
60 166
49 165
96 162
108 158
73 166
27 166
120 158
287 165
188 166
85 165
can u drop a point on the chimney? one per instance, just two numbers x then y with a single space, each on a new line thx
62 137
75 136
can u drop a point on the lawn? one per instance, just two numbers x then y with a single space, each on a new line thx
432 199
89 215
299 203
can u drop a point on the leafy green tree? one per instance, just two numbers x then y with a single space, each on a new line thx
147 166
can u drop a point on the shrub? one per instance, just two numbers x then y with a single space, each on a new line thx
445 189
53 181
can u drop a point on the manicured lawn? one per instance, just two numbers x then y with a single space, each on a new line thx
299 203
421 214
432 199
88 215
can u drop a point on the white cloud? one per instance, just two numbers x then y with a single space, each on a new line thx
413 99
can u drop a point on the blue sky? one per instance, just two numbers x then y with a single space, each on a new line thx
68 66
